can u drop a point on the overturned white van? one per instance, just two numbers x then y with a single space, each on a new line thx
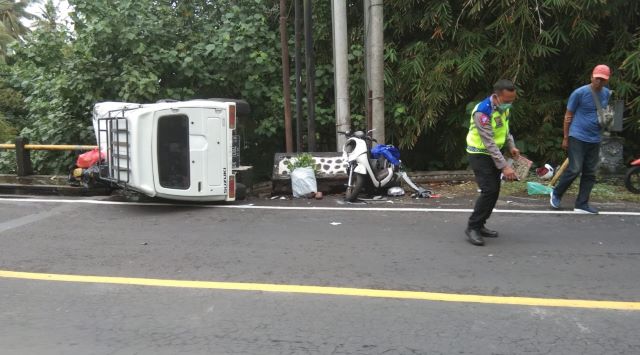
179 150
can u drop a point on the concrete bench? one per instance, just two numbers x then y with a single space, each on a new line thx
331 173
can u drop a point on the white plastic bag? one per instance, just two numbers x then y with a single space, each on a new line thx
303 182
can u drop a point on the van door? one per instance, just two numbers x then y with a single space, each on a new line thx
191 152
172 152
217 163
180 152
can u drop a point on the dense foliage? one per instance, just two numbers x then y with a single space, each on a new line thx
11 30
441 56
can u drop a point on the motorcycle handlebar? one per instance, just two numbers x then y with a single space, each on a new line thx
366 136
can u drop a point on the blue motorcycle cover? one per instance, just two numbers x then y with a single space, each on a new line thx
391 153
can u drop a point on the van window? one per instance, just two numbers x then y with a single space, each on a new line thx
173 152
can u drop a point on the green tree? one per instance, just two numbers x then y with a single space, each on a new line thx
11 30
443 55
11 27
48 20
143 51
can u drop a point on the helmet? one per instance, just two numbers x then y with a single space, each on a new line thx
395 191
545 172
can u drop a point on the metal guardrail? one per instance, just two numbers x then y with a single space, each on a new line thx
50 147
23 152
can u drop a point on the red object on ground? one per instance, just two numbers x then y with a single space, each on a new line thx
86 160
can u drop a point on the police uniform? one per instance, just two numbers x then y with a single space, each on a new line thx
488 134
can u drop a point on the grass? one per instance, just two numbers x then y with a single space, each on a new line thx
602 191
605 191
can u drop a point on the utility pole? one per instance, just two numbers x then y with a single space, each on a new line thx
311 71
367 61
298 69
341 70
286 85
376 46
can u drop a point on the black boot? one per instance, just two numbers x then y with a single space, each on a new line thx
474 237
488 233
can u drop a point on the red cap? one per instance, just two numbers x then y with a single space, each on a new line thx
601 71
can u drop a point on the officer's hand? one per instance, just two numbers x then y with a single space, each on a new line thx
509 173
515 152
565 143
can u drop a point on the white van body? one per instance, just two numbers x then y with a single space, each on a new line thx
176 150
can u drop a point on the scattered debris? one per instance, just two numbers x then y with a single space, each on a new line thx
545 172
536 188
425 194
420 191
356 202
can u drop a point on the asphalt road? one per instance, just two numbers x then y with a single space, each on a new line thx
543 256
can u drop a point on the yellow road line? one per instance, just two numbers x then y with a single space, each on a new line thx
336 291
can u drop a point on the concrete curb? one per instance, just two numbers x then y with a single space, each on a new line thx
45 185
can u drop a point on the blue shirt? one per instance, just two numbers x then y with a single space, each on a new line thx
585 126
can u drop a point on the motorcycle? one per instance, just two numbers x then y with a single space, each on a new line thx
632 178
363 169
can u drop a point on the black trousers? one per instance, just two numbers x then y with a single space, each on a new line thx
488 179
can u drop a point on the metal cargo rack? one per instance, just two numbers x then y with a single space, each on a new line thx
117 167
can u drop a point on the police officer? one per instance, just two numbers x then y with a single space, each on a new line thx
488 134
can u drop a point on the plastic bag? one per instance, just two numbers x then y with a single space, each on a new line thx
536 188
89 158
303 182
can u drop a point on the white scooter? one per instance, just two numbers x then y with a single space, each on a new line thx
363 169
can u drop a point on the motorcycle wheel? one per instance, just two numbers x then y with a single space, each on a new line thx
353 191
632 180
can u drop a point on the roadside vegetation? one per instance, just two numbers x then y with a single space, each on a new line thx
441 56
603 191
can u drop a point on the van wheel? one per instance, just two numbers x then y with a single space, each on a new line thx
241 191
353 191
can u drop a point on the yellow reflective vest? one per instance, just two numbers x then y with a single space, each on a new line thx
499 124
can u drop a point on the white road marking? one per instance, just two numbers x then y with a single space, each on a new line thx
311 208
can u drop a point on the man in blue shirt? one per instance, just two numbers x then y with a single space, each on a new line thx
582 139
